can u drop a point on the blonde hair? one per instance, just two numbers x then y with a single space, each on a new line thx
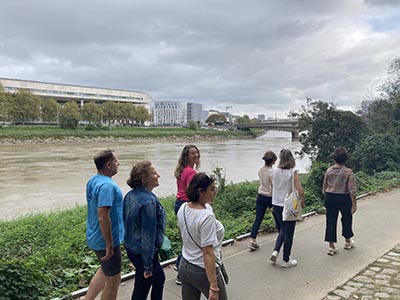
286 159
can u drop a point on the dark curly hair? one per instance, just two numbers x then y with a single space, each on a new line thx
200 181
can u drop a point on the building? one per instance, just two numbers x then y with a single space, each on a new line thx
261 117
63 93
172 113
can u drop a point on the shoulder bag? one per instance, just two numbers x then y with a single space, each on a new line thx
292 209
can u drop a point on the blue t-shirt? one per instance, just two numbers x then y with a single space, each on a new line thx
102 191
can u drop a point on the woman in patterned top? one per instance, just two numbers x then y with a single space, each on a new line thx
339 188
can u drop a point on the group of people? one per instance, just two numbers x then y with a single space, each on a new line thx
339 189
139 220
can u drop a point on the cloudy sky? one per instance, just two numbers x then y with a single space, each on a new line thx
255 56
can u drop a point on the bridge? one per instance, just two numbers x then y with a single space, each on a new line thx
291 126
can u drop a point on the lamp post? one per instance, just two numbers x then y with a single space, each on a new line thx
229 115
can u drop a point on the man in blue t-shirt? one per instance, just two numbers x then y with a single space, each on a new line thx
104 225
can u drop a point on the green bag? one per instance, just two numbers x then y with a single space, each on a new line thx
165 251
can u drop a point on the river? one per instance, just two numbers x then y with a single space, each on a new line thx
46 177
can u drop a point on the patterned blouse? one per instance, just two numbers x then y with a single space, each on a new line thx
339 180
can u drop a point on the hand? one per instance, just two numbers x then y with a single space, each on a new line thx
303 203
354 208
213 295
109 253
147 275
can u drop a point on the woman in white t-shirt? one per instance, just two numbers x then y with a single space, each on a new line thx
281 180
202 235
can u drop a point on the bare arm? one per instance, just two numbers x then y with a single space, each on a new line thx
105 228
209 262
299 188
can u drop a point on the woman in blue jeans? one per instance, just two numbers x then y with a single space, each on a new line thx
264 196
144 222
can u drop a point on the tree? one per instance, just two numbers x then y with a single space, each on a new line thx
217 119
92 113
142 114
50 110
24 107
326 128
4 104
391 88
70 115
110 112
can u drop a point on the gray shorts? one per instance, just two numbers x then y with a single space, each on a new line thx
112 266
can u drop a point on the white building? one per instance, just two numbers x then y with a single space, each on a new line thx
177 113
68 92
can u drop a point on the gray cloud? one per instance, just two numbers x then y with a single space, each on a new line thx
256 56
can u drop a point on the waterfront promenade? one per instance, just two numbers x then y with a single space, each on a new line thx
369 271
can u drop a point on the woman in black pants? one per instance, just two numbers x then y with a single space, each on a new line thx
339 188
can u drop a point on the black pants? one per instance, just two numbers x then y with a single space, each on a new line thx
285 233
143 285
334 204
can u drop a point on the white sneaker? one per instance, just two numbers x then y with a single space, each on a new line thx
289 264
274 256
332 251
349 245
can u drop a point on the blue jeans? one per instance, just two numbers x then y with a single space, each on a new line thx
195 282
262 203
178 204
285 233
142 285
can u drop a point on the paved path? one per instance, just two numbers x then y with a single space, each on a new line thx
317 276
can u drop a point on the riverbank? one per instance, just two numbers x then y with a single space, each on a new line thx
54 134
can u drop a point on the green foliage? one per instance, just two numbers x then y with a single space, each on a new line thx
92 113
216 119
70 116
193 125
376 153
50 110
327 128
24 106
314 181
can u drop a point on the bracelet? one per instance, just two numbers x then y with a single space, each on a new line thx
214 290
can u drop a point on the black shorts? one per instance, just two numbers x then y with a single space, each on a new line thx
112 266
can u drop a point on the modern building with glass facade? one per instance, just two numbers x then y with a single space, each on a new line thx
177 113
67 92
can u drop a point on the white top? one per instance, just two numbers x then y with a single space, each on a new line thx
204 229
265 186
281 185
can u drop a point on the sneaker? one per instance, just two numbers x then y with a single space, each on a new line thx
178 280
176 268
349 245
289 264
274 256
253 246
332 251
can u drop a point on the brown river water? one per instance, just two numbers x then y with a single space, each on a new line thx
47 177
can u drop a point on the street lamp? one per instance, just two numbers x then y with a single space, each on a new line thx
229 115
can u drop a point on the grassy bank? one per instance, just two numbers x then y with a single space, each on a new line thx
45 255
10 134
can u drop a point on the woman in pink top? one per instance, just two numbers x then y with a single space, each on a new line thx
186 168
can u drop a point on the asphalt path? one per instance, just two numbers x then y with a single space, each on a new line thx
252 276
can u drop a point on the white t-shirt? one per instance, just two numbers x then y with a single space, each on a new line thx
204 229
281 185
265 186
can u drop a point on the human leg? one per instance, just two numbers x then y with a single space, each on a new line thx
347 217
178 204
332 212
142 285
158 280
261 207
288 229
107 278
277 213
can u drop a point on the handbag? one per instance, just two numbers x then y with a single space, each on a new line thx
165 250
292 209
221 265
